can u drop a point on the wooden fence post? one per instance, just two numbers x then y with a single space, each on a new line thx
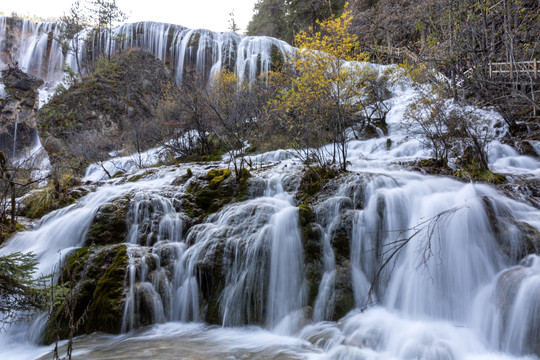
490 71
535 63
511 69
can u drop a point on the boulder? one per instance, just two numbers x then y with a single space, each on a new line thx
15 78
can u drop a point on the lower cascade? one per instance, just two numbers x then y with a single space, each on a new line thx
277 276
381 261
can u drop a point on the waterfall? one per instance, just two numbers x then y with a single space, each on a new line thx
286 288
207 52
450 264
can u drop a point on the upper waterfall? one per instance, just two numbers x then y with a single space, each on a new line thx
35 48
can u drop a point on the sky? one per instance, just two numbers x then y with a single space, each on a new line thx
207 14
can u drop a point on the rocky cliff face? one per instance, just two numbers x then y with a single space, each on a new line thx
18 108
106 111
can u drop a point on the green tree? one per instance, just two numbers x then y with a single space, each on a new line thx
21 295
232 23
284 18
269 19
105 14
71 25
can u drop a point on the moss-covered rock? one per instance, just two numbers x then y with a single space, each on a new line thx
212 283
340 237
313 257
7 231
305 215
110 223
343 293
208 195
312 244
217 176
312 182
433 166
105 312
138 177
94 282
476 173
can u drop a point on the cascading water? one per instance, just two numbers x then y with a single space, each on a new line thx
37 52
460 287
277 284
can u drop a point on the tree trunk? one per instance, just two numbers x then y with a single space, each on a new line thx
13 206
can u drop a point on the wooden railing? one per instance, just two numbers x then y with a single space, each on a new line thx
497 70
513 69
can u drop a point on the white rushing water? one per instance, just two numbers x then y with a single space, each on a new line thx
459 288
206 51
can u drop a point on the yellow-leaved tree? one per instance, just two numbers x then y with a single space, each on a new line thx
323 97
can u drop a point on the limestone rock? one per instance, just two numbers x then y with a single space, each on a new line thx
18 110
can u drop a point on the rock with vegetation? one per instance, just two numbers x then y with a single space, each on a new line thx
60 192
93 295
433 166
18 109
110 223
343 293
112 108
206 195
313 181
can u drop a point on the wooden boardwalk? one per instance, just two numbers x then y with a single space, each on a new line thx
514 69
522 71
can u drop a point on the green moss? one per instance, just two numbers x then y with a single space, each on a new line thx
242 181
313 251
109 225
138 177
6 231
77 261
19 227
57 194
475 173
432 162
95 277
106 308
204 197
304 214
217 176
434 166
313 180
216 156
